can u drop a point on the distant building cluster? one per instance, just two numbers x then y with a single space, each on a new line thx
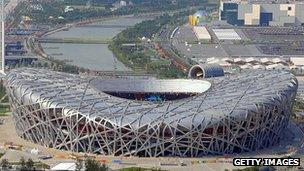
262 12
202 34
255 63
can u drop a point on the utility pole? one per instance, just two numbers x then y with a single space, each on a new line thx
2 37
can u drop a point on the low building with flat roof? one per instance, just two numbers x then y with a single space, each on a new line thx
64 167
201 33
226 34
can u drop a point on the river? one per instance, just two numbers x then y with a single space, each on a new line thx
91 56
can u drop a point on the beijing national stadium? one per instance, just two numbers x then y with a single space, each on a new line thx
205 114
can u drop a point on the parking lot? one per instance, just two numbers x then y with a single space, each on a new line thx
276 34
255 42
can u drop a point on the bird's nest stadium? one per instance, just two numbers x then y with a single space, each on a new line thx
149 117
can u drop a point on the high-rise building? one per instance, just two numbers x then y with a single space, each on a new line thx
262 13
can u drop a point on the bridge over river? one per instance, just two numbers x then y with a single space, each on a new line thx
104 26
74 40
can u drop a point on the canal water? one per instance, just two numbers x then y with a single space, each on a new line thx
91 56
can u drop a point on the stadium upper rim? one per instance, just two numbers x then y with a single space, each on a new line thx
229 96
150 85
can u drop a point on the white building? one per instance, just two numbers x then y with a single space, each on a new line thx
201 33
64 167
123 3
226 34
68 9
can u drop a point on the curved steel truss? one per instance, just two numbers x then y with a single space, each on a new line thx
239 113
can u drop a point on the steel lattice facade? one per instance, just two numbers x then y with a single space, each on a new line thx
239 113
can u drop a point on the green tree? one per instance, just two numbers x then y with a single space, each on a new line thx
79 165
103 167
2 89
93 165
30 164
22 164
4 164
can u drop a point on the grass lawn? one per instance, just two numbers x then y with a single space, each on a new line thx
4 109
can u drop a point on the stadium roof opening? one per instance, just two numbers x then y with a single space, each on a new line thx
151 89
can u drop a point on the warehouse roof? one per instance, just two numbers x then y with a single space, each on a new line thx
64 167
226 34
201 33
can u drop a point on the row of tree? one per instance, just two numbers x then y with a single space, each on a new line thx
104 8
90 165
29 165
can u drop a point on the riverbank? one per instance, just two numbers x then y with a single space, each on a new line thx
92 52
74 24
142 54
51 53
